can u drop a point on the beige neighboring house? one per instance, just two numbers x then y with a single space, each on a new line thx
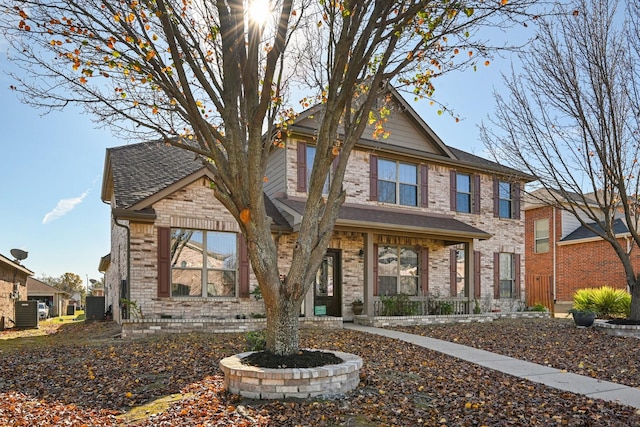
421 218
13 287
54 298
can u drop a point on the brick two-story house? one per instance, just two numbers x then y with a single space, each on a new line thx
565 256
420 218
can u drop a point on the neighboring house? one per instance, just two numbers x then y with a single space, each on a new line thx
415 210
53 297
13 287
564 255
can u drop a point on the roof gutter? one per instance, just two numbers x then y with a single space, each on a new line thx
147 216
413 229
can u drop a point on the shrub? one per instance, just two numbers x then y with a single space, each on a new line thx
539 307
398 305
605 301
609 302
256 340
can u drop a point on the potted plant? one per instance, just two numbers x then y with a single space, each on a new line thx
357 306
584 317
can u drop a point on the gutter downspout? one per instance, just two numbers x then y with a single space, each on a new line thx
123 309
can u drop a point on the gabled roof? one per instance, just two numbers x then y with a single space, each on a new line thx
35 286
580 233
360 216
546 197
14 264
140 174
141 170
438 151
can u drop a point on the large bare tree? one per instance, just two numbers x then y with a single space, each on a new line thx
571 118
210 77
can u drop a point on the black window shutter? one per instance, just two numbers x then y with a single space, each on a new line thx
164 262
452 189
476 194
496 275
302 167
373 178
516 272
424 186
496 197
516 200
477 288
453 273
424 271
243 267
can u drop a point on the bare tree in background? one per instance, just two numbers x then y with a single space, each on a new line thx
571 118
208 77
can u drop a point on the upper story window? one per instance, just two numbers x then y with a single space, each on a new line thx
203 263
506 199
310 155
465 192
541 236
397 182
306 155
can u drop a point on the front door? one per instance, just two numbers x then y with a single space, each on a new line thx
327 298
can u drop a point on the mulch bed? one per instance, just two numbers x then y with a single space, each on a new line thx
301 359
73 380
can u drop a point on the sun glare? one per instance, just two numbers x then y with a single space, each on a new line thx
259 10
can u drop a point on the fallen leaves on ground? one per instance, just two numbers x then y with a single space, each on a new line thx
82 377
551 342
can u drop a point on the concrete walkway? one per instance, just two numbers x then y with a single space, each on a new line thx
551 377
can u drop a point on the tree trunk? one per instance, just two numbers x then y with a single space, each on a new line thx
282 327
635 301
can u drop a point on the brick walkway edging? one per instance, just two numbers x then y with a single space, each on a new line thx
264 383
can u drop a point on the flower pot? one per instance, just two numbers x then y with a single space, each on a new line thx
357 308
584 319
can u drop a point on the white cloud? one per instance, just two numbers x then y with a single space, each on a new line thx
63 207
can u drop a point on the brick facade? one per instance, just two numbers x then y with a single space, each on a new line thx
134 245
587 263
12 277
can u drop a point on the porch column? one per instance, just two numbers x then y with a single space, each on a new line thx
369 258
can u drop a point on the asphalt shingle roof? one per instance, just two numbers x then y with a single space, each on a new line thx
483 163
144 169
619 227
376 217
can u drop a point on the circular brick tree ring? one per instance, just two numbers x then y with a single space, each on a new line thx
266 383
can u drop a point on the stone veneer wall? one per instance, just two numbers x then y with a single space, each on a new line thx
508 234
386 321
193 207
140 328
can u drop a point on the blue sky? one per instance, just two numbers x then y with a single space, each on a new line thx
51 170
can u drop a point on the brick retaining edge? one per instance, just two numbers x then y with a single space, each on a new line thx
264 383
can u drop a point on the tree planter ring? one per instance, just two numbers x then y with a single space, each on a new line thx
254 382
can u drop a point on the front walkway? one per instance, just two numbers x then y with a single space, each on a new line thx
551 377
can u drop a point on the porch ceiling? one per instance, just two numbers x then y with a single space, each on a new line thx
443 227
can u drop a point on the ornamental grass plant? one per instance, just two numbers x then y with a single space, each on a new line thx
605 301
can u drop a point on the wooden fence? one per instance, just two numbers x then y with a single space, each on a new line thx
539 291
